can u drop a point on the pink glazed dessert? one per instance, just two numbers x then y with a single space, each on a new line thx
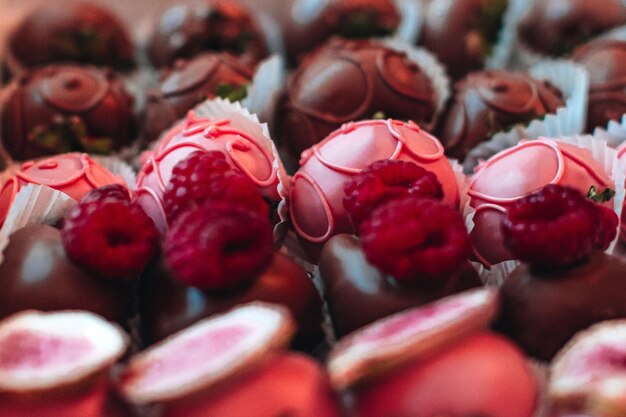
250 155
519 171
74 174
316 197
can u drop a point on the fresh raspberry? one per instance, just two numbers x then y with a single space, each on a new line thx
386 180
416 240
112 192
208 177
219 245
557 226
109 235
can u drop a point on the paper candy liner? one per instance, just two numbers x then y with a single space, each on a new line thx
431 67
502 51
411 24
606 158
614 133
267 83
33 204
118 167
573 81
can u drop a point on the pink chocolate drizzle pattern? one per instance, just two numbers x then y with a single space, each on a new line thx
316 198
499 182
244 151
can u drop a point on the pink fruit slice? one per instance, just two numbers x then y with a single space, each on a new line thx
409 335
206 353
589 373
41 351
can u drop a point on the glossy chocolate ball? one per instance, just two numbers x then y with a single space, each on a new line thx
462 33
605 60
36 274
492 101
346 81
188 83
78 32
556 27
541 310
211 25
63 108
358 293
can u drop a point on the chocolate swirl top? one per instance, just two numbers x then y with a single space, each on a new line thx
346 81
491 101
77 32
604 59
189 82
556 27
216 25
62 108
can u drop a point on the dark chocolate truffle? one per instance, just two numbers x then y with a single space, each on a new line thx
359 294
63 108
491 101
36 274
462 33
76 32
206 76
556 27
541 311
350 19
168 306
606 62
212 25
346 81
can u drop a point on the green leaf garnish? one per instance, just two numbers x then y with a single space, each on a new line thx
379 115
364 24
231 92
490 23
70 134
606 195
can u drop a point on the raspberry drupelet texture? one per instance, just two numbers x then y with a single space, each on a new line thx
109 235
208 177
219 245
557 226
416 240
387 180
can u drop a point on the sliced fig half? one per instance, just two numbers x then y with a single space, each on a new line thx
206 353
43 351
409 335
589 373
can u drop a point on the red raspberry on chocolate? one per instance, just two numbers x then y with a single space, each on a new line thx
219 245
208 177
109 235
557 226
416 240
386 180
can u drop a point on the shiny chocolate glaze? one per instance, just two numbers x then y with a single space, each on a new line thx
358 293
542 310
350 19
36 274
189 82
491 101
211 25
346 81
78 32
462 33
556 27
168 306
606 62
63 108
